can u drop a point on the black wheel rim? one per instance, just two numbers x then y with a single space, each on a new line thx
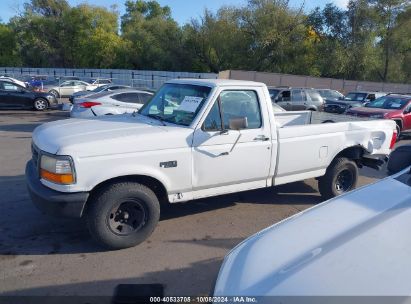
127 217
344 181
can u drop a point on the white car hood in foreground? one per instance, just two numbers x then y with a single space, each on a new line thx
358 244
109 135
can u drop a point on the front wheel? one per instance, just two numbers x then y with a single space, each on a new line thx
341 176
55 93
40 104
123 215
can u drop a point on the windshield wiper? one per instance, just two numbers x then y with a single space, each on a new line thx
158 117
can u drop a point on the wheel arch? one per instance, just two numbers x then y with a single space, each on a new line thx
154 184
354 153
399 122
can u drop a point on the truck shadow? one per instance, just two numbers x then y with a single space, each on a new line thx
26 125
25 231
197 279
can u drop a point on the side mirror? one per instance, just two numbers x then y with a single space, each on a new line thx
238 123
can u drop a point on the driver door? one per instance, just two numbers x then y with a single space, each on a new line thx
222 156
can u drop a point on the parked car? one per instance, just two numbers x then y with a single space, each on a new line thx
329 94
363 97
68 88
392 106
341 106
351 249
105 88
100 82
110 103
14 96
14 80
297 99
115 170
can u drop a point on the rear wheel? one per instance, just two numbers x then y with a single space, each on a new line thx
40 104
123 215
341 176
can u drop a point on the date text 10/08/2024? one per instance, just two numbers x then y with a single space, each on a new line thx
239 299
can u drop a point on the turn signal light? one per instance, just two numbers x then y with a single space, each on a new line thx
89 104
64 179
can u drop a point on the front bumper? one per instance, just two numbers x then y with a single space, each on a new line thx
52 202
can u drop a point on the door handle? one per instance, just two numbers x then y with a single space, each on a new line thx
261 138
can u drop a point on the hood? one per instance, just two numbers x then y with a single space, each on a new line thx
107 135
370 111
343 103
356 244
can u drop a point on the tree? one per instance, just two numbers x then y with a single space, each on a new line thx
155 39
216 41
386 13
8 47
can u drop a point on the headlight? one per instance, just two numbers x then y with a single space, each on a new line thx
377 116
58 169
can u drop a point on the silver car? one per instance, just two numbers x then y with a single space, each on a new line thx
69 87
110 103
106 88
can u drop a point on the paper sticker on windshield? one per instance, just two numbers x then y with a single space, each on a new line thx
190 104
396 105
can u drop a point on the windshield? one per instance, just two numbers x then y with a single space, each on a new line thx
176 103
389 103
356 96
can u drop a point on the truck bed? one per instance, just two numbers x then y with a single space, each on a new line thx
295 118
307 143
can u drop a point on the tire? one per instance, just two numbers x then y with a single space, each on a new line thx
55 93
122 215
341 176
399 159
40 104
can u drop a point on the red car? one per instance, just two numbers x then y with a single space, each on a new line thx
393 106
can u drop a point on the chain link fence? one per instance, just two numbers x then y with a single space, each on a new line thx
134 78
344 86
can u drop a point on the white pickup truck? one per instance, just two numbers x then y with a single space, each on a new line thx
193 139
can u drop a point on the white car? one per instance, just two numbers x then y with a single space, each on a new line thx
194 139
110 103
345 250
19 82
69 87
105 88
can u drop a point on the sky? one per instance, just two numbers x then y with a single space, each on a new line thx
182 10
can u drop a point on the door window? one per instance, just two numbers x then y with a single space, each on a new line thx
7 86
67 84
314 96
371 97
298 95
213 120
234 104
284 96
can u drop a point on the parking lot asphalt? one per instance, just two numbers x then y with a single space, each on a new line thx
41 255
